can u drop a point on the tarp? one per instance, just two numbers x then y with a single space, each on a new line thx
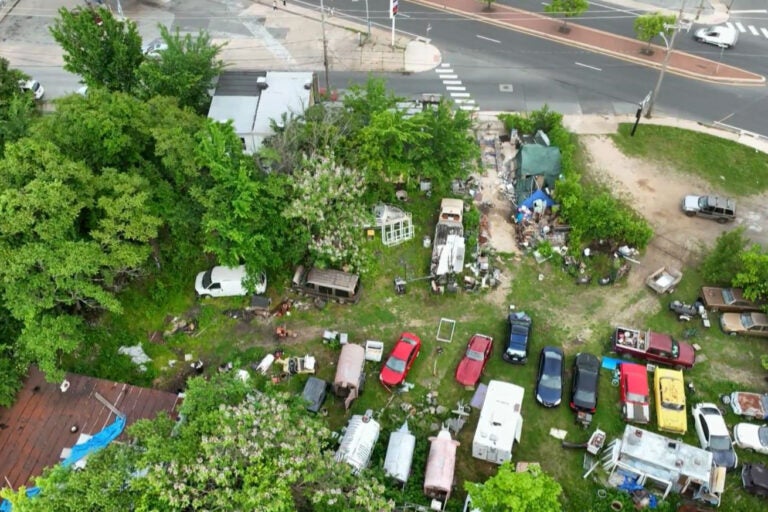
609 363
536 160
80 451
538 195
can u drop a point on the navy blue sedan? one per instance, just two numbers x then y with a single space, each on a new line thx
549 384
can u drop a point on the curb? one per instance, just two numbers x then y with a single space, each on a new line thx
759 80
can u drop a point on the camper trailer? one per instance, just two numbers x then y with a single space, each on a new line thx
358 442
663 463
350 373
397 462
441 462
500 423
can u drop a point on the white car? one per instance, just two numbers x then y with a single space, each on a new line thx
749 436
721 36
34 86
713 435
227 282
154 48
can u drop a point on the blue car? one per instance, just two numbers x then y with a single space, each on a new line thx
549 383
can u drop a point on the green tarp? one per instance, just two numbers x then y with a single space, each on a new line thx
535 160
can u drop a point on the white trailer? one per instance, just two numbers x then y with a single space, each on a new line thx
397 462
500 424
358 442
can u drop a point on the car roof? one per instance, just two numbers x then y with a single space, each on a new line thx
587 361
720 202
714 419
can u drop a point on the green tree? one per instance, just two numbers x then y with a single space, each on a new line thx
488 4
567 8
753 274
649 26
327 203
186 70
365 101
104 51
526 491
242 208
723 262
17 110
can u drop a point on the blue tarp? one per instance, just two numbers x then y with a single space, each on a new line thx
80 451
539 194
610 363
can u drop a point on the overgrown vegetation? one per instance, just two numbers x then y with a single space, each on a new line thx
733 261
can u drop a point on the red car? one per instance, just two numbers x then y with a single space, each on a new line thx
634 393
400 360
474 360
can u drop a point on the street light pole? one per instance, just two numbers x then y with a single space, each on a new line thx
670 49
325 49
367 19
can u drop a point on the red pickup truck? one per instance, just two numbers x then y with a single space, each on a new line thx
654 347
634 393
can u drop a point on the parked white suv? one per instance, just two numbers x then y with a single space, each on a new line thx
34 86
227 282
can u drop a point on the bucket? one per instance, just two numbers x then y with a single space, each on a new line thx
427 242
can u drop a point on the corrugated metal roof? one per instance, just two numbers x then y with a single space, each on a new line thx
37 427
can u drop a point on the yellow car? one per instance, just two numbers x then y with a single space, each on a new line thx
669 389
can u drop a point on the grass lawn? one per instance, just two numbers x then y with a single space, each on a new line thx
577 318
728 166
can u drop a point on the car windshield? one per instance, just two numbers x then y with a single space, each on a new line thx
746 320
207 279
762 435
550 381
519 329
728 297
675 349
396 365
474 355
703 199
584 396
635 397
720 443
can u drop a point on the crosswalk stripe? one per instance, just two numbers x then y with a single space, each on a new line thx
464 101
472 108
445 65
460 94
753 30
764 31
441 71
729 25
455 88
740 27
449 76
452 82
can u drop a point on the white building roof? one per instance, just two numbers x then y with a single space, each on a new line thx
500 415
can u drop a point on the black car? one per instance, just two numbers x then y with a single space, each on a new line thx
754 477
519 331
314 393
549 383
586 371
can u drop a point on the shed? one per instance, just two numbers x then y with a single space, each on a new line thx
536 167
358 442
397 462
350 375
441 462
500 424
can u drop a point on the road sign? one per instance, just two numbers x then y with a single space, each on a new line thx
392 8
645 101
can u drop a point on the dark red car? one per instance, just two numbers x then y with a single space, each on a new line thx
400 360
475 358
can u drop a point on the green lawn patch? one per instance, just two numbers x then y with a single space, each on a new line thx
727 165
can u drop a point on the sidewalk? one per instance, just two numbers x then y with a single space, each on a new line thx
624 48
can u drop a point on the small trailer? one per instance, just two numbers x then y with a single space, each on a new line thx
359 439
350 373
441 462
500 424
397 462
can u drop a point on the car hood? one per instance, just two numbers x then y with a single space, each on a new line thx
549 396
731 322
691 203
673 421
468 372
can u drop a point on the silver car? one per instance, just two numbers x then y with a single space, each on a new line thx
721 36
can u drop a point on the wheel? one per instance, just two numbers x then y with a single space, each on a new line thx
722 220
690 214
732 334
204 296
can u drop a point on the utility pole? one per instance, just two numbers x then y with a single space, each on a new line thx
670 49
368 20
325 49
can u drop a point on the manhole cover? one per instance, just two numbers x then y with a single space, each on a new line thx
506 87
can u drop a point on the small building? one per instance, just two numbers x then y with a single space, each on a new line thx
650 459
358 442
397 462
441 462
537 167
350 373
253 100
500 424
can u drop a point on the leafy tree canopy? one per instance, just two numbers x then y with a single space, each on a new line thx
648 26
185 70
723 261
753 274
526 491
567 8
17 109
103 50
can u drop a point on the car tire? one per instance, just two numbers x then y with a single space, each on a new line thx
722 220
731 334
690 214
204 296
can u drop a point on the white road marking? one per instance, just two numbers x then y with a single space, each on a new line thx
443 70
445 65
604 6
754 30
765 32
453 77
740 27
403 15
729 25
751 11
460 95
464 101
587 66
489 39
455 88
452 82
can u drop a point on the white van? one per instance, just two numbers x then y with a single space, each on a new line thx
722 36
226 282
